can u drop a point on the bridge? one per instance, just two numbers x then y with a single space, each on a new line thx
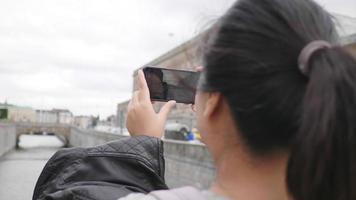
62 131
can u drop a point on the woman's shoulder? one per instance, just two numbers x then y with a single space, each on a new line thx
184 193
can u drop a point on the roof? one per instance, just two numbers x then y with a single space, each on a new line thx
6 105
61 110
84 116
45 111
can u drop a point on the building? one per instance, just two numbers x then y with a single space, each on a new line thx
186 56
83 122
46 116
111 120
14 113
64 116
121 115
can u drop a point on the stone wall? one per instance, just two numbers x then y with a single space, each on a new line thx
88 138
7 138
186 163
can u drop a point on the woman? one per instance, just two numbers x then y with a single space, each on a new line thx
276 105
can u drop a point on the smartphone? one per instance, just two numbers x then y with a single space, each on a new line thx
171 84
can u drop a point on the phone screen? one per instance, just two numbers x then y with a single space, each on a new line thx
170 84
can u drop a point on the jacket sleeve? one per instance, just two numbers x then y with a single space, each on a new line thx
109 171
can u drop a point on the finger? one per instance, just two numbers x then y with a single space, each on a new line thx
143 88
193 107
129 106
199 68
166 109
135 99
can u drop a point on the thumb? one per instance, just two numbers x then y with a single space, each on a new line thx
163 113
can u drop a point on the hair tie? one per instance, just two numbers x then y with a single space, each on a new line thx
308 51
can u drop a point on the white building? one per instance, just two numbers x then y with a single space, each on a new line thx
64 116
14 113
83 122
46 116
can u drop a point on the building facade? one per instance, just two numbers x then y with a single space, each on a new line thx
83 122
46 116
187 57
121 115
64 116
14 113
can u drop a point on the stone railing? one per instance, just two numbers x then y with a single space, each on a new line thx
7 137
186 163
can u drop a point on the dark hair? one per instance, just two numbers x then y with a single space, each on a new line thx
251 57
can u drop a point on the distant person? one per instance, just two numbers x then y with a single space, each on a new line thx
276 108
190 136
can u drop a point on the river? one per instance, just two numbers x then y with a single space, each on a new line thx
19 169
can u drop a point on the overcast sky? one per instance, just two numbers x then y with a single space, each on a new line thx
80 54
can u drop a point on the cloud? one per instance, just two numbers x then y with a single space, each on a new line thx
81 54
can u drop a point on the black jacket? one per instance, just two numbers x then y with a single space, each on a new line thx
107 172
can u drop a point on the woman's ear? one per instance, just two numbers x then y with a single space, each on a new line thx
213 104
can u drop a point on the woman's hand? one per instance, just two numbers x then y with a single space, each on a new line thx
141 117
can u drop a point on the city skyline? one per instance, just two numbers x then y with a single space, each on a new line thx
80 55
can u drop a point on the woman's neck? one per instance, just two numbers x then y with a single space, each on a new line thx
239 177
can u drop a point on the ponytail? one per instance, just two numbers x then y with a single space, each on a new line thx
278 104
322 163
